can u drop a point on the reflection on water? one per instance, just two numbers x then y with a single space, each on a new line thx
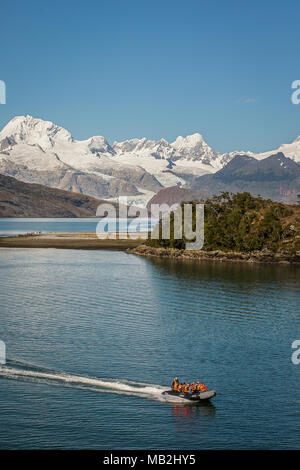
187 417
235 290
228 271
191 411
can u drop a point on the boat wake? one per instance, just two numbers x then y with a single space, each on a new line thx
28 372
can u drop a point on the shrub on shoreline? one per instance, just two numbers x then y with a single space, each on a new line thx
241 222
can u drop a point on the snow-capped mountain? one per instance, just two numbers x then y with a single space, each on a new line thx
291 151
183 152
194 148
42 146
35 150
53 139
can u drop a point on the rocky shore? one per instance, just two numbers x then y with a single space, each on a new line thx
264 256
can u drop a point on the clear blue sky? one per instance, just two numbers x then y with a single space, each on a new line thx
165 68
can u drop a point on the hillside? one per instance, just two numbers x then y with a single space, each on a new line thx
243 223
174 195
19 199
275 177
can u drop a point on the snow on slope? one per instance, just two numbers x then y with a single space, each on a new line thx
43 146
155 156
194 148
159 158
53 140
160 155
291 151
22 154
34 150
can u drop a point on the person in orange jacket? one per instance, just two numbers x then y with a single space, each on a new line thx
175 384
201 387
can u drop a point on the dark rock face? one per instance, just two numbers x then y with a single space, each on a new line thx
275 177
274 168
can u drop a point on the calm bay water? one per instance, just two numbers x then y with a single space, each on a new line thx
93 337
16 226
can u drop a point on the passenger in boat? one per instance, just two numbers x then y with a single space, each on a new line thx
201 387
188 388
175 384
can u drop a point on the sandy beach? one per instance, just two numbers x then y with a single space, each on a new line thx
83 241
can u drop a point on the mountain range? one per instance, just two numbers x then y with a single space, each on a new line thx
275 177
37 151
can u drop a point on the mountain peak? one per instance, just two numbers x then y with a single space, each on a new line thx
32 131
98 144
190 140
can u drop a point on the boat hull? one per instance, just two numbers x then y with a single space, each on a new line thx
197 396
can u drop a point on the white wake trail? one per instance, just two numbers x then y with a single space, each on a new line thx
108 385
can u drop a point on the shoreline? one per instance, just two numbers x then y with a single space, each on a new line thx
220 256
74 240
135 245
